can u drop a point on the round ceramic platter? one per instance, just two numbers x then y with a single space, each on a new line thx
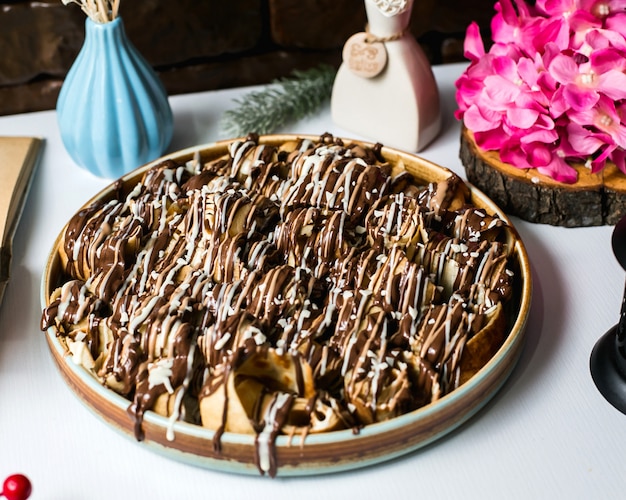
317 453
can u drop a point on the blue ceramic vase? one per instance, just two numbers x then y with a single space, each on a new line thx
112 110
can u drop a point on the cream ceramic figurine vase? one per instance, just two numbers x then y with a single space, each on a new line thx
385 89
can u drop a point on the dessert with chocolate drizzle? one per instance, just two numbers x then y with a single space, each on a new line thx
301 288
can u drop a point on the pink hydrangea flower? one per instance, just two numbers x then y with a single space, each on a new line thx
551 89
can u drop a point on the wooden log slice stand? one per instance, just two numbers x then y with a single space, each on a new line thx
594 200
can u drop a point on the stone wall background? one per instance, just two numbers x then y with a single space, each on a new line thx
209 44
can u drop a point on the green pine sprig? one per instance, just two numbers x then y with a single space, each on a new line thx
287 99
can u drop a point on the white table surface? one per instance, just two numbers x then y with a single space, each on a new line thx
547 434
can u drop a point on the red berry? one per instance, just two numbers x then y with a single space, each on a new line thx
17 487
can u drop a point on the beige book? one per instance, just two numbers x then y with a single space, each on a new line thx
18 158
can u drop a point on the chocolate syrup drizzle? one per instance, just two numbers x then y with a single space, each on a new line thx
335 294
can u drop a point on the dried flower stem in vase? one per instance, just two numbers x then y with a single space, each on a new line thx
99 11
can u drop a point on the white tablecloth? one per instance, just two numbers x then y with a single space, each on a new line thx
547 434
